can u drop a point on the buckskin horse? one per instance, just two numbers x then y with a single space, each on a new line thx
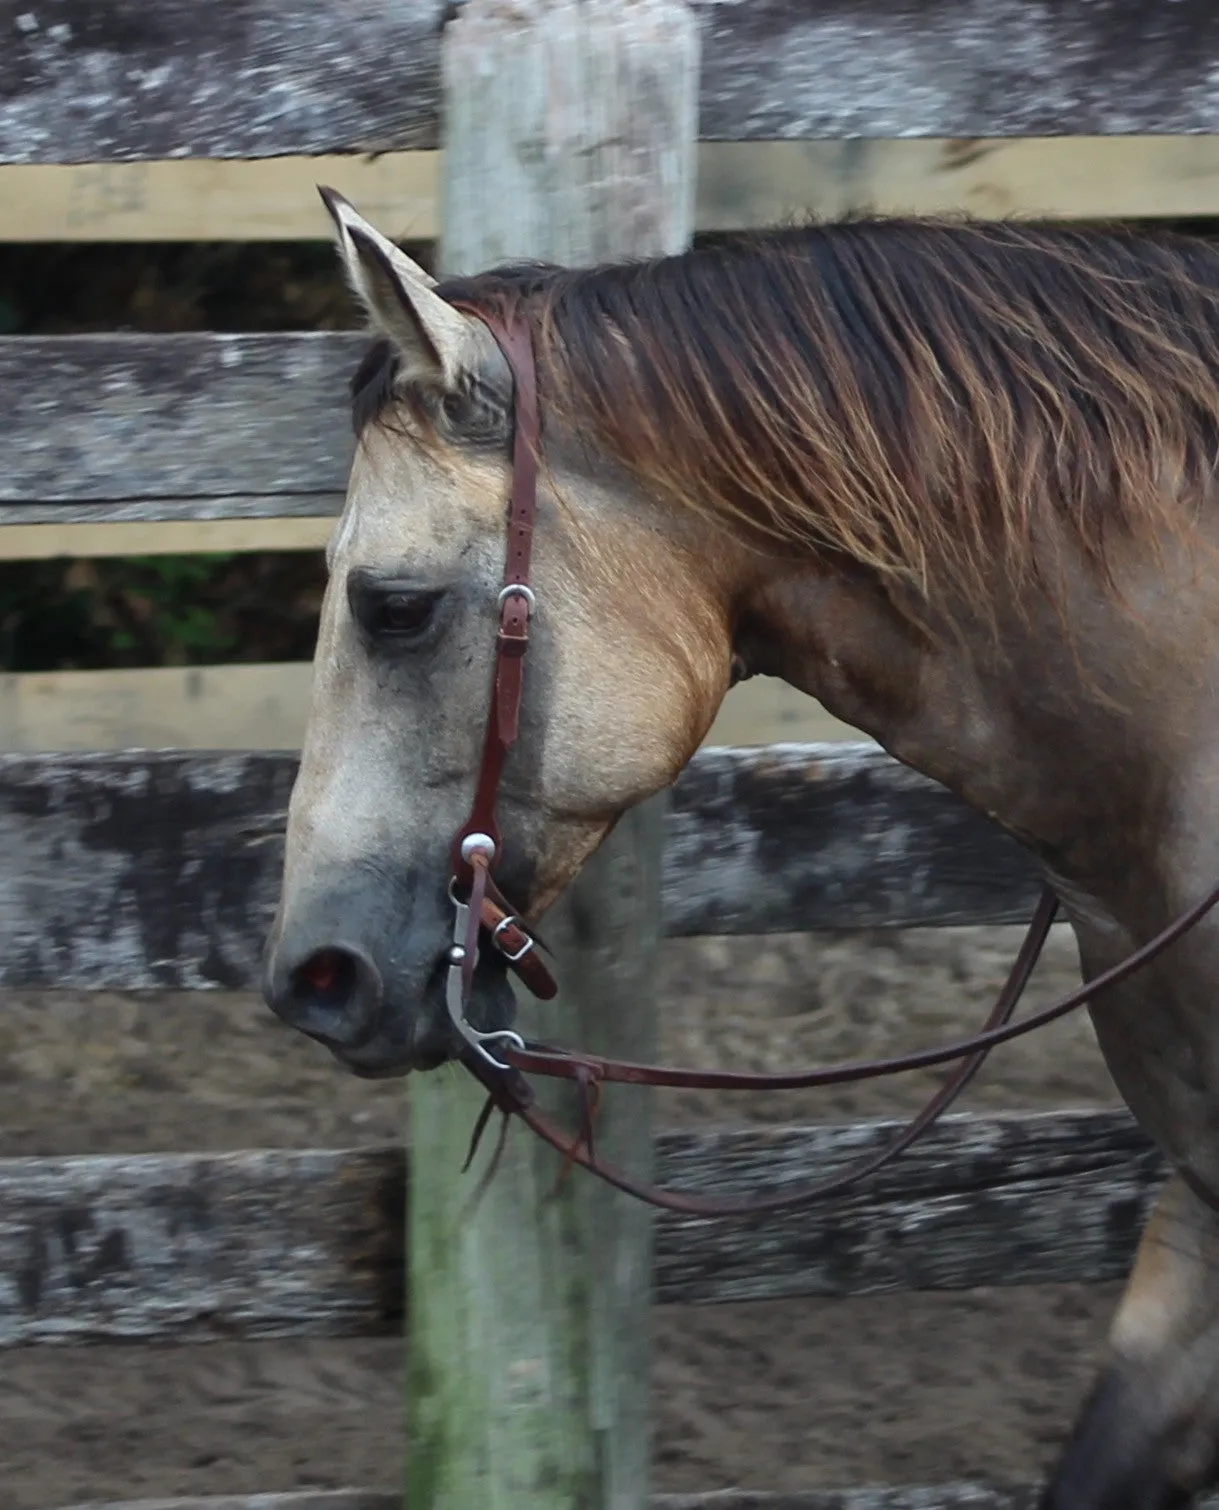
955 480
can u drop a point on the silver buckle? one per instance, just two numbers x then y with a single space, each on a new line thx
518 590
525 947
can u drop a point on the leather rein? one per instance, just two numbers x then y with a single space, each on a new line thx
501 1059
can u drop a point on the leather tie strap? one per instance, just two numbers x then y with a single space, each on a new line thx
580 1152
973 1051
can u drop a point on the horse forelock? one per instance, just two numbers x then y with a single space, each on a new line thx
372 384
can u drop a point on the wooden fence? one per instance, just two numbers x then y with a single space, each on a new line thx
101 143
138 870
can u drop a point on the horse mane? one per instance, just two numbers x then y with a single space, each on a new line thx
914 394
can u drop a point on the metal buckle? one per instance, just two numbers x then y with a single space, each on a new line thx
454 991
525 947
518 590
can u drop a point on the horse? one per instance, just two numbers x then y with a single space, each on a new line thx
954 479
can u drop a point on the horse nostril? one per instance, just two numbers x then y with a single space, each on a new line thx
334 995
328 978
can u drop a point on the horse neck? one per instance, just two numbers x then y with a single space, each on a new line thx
1002 714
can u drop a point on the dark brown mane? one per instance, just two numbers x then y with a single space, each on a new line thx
912 393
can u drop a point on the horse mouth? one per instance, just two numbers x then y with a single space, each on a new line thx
392 1070
422 1037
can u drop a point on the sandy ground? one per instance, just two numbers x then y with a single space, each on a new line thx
782 1395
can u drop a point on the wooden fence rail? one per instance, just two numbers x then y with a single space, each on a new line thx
125 427
265 78
961 1496
144 871
200 1247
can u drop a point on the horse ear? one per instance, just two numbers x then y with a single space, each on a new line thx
397 294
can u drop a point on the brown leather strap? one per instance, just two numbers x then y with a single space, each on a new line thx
518 945
557 1063
999 1029
516 603
580 1151
479 864
489 910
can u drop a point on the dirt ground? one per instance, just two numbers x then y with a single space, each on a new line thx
782 1395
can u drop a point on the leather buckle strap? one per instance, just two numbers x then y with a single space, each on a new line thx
517 602
478 843
515 940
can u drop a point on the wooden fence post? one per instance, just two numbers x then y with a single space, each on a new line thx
570 131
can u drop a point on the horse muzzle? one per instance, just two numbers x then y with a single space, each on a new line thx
380 1011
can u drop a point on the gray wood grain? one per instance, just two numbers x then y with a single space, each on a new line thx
195 1246
232 1245
127 426
903 1497
961 1496
301 1499
154 510
160 870
1034 1199
793 838
261 78
899 1497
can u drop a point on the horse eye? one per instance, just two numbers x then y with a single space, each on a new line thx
402 615
473 417
455 407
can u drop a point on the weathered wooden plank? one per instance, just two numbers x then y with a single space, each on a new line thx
235 423
263 706
902 1497
154 509
301 1499
963 1496
49 542
792 838
155 871
161 1245
195 1246
263 78
1002 1200
261 199
160 870
246 706
904 68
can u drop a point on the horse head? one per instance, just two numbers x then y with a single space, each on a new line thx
630 655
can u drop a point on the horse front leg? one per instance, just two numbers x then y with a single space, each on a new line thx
1148 1436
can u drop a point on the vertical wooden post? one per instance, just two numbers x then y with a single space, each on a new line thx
570 135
